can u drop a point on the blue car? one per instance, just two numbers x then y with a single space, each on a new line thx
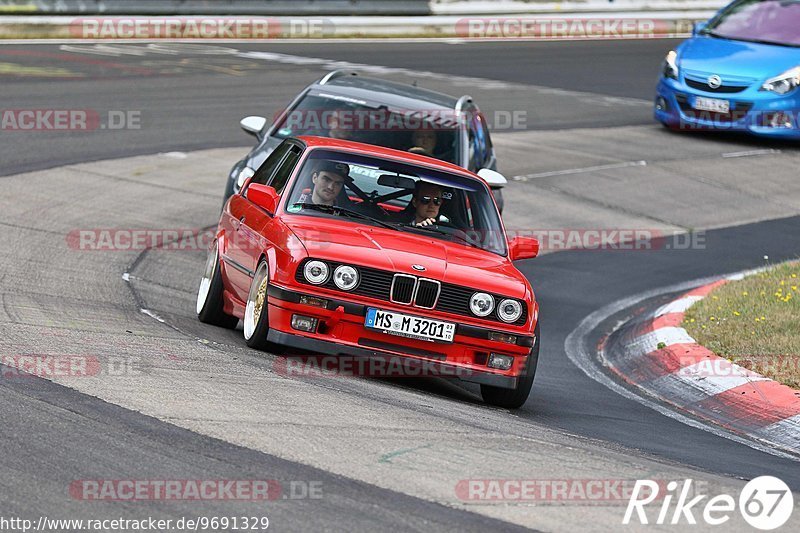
740 71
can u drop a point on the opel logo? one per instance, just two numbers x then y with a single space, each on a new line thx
418 268
715 82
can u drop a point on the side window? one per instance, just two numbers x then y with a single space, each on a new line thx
282 175
488 149
478 142
270 164
471 147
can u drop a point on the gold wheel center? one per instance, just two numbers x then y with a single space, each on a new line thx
261 297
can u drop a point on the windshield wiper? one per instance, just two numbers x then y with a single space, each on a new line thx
336 210
455 236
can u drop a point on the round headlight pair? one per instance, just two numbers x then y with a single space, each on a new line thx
318 272
482 304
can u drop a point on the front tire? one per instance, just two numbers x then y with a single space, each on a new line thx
515 398
209 295
256 319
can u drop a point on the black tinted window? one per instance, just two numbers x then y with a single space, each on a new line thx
268 167
282 175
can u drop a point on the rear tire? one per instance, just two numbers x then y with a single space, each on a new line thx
515 398
209 294
256 316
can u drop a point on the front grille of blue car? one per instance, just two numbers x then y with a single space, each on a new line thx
722 89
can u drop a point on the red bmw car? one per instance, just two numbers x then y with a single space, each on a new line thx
348 249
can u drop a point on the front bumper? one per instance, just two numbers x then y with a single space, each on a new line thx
752 110
341 332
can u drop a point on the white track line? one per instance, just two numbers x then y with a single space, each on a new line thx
751 153
570 171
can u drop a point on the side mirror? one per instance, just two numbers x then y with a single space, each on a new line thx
523 248
493 178
253 125
697 27
263 196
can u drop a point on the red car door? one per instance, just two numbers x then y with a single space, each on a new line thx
258 230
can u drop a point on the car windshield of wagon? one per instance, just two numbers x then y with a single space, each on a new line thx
430 131
762 21
397 195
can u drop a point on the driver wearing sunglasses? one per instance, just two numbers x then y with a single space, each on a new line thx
426 201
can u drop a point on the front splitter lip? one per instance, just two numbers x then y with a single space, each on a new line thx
443 370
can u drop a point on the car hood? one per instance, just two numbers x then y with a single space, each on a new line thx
397 251
736 59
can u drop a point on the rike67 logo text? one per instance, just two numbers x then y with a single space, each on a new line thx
765 503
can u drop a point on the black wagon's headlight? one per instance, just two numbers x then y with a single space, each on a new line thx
316 272
245 174
345 277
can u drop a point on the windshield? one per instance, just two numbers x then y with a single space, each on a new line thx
398 196
429 132
768 21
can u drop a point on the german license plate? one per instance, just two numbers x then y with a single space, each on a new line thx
410 326
712 104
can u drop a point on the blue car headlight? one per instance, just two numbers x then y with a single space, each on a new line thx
783 84
670 67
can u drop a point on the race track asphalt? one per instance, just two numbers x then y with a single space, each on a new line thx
53 435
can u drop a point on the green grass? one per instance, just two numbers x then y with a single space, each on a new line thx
754 322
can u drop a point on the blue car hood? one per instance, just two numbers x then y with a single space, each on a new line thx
737 59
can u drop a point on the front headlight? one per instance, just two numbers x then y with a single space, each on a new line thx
670 67
785 83
509 310
316 272
345 277
481 304
244 174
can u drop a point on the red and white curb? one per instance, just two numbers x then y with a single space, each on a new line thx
660 357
